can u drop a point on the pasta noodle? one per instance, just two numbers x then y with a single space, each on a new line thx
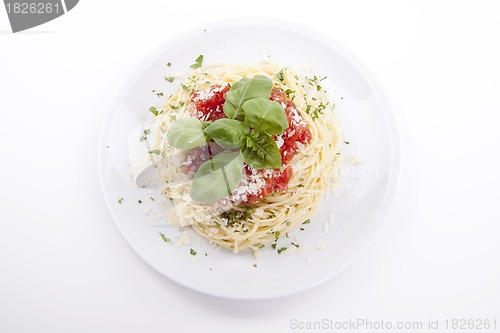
237 226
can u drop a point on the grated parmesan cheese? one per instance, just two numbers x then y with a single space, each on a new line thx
320 246
326 228
251 184
279 140
259 212
302 248
355 159
146 210
330 218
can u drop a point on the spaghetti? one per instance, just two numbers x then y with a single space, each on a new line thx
252 218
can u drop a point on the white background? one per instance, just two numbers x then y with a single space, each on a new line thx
65 268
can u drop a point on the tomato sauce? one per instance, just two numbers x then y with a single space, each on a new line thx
207 105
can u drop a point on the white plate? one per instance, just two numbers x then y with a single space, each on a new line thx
358 206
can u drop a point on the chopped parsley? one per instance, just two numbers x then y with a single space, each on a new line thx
153 110
165 239
120 200
156 152
307 221
233 216
139 201
280 76
254 265
192 252
169 79
273 246
169 64
346 142
198 62
158 93
296 245
281 249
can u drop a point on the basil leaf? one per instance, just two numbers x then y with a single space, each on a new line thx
244 90
261 152
228 133
186 134
217 177
265 115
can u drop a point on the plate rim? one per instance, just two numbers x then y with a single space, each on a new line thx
368 234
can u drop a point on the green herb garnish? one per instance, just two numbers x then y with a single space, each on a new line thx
228 133
192 252
198 62
165 239
261 151
244 90
153 110
186 134
252 119
280 76
265 115
217 177
158 93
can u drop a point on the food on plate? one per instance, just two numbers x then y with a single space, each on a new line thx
245 152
